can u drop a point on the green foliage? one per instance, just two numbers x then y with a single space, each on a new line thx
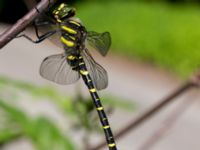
163 34
126 105
181 1
40 92
44 134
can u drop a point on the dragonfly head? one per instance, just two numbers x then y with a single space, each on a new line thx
62 12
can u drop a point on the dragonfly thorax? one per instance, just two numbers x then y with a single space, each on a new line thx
73 36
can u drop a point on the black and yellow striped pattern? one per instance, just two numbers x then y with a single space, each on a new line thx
68 38
69 35
102 115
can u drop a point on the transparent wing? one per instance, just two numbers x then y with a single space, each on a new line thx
56 68
99 41
97 72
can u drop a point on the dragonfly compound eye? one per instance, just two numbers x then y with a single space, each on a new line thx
62 12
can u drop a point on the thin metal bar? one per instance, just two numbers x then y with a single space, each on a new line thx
168 124
149 113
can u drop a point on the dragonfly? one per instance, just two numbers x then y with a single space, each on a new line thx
76 61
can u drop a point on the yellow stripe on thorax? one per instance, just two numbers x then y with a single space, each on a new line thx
68 43
69 30
58 20
73 38
74 22
61 6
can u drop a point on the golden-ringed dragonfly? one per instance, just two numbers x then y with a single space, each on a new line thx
76 61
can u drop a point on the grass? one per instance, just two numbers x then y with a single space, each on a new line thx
165 35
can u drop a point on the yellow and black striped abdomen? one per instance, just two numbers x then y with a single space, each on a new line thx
102 115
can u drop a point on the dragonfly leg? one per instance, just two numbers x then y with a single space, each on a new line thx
40 38
37 24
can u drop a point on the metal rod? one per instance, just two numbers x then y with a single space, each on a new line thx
168 124
152 111
22 23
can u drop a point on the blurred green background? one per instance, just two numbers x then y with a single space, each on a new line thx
162 33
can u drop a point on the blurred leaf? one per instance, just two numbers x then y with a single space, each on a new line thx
87 115
119 103
43 133
15 115
8 135
47 136
163 34
46 92
83 110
